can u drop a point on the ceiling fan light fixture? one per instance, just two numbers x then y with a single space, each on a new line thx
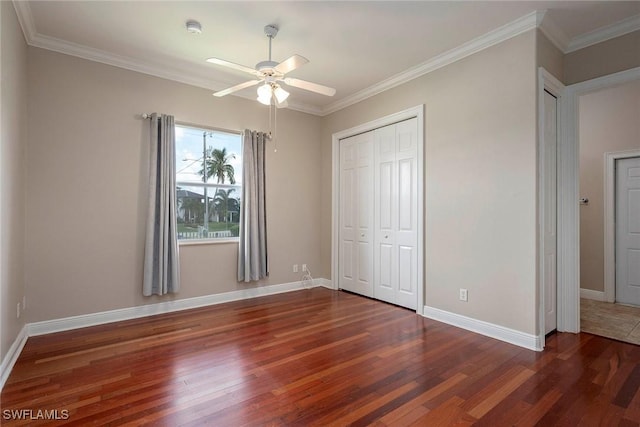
264 94
280 94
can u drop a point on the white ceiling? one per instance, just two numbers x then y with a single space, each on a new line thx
360 48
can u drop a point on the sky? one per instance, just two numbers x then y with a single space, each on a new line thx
189 150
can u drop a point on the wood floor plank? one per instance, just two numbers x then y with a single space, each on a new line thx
317 357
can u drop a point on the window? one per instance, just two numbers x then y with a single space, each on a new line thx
209 183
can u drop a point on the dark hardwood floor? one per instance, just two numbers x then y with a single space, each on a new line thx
318 357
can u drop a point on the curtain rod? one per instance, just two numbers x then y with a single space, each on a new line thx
146 116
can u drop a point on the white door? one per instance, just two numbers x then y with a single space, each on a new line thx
356 215
396 214
628 231
407 220
386 212
549 275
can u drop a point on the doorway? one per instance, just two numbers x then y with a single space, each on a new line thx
608 142
568 272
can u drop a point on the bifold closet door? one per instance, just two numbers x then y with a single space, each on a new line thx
396 214
356 214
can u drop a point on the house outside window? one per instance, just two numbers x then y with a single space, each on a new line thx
208 184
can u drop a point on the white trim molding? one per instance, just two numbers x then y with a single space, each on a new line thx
325 283
553 32
82 321
546 82
610 159
166 70
11 357
185 74
568 194
510 30
415 112
605 33
511 336
591 294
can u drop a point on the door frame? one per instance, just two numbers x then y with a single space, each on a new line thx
568 195
547 82
610 159
414 112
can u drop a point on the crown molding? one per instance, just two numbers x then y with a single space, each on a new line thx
553 32
602 34
536 19
164 71
25 19
512 29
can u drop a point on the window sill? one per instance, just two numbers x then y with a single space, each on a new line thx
196 242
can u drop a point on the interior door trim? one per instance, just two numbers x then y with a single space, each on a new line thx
610 159
568 212
547 82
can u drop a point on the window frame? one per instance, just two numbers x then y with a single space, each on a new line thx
209 241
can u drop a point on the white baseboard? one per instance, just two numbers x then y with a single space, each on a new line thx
591 294
325 283
12 355
82 321
521 339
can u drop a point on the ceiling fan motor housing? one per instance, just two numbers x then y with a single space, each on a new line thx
267 67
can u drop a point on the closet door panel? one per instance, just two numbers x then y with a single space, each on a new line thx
407 218
379 223
385 257
407 271
363 197
406 192
347 271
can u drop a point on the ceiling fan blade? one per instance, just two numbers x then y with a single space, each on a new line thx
313 87
236 88
233 65
291 64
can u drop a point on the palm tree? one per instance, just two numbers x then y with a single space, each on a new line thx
217 164
193 208
224 203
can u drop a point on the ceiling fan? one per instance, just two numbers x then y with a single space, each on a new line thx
272 74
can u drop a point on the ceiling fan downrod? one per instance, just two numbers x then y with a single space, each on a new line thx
271 31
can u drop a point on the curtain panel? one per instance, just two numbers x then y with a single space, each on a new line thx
252 251
161 262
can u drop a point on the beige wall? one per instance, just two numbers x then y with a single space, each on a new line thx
87 180
608 57
480 180
609 122
13 136
549 56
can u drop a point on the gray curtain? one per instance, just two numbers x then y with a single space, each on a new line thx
252 253
161 263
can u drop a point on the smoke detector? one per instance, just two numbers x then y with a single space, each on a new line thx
194 27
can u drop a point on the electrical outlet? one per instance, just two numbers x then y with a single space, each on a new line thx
18 312
304 268
463 295
295 268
